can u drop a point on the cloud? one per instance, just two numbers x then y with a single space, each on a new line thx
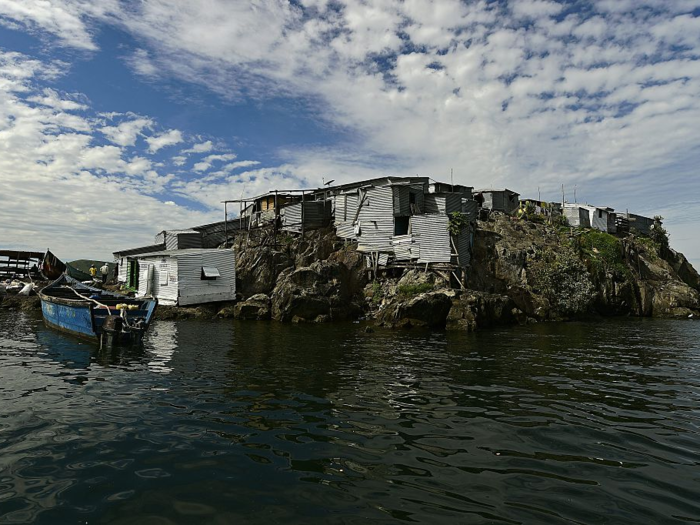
207 162
64 19
126 132
86 198
163 140
528 94
202 147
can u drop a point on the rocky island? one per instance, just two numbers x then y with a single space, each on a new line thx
522 271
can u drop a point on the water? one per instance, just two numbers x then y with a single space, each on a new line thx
221 422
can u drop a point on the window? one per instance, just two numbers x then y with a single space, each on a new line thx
401 226
600 214
209 273
163 274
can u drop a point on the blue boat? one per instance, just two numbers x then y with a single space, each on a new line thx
94 314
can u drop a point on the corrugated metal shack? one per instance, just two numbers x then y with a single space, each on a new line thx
19 264
311 214
179 239
187 277
127 271
548 210
586 216
401 222
503 200
633 222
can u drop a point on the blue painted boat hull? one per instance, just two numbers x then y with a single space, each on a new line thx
78 316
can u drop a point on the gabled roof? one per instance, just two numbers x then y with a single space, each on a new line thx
139 250
186 251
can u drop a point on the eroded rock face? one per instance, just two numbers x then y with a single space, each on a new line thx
522 272
323 291
472 310
549 277
255 308
424 310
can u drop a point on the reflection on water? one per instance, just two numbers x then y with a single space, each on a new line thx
164 335
265 423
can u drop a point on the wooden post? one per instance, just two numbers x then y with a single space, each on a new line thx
303 198
225 224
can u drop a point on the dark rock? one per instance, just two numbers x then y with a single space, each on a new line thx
255 308
427 309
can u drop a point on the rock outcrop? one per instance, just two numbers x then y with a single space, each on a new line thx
522 271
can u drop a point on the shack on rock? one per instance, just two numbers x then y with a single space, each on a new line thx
187 277
586 216
503 200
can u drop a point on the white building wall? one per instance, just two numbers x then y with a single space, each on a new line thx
599 218
195 290
177 277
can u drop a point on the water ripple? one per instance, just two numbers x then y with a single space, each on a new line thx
267 423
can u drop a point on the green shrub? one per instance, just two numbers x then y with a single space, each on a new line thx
561 277
659 234
410 290
458 221
603 252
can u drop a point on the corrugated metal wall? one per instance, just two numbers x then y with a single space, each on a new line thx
577 216
164 286
345 230
433 237
194 290
375 236
599 219
182 241
405 247
315 215
464 247
640 223
470 208
444 203
177 277
377 221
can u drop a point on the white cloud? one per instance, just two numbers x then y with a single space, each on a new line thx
126 132
81 191
65 19
523 93
163 140
202 147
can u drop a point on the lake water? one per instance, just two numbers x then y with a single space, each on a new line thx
224 422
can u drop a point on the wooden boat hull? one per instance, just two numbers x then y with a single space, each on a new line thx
85 319
75 320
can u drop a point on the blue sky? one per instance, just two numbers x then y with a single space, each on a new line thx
121 118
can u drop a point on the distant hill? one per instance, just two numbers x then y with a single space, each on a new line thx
84 265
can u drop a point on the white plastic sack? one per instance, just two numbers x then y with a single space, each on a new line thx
27 289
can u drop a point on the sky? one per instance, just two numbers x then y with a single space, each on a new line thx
121 118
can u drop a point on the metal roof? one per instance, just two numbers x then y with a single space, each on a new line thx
141 249
186 251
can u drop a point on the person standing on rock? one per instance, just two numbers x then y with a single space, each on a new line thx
93 271
104 270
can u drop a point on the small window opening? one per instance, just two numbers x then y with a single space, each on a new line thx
209 273
600 214
401 225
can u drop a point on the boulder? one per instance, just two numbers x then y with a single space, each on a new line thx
255 308
424 310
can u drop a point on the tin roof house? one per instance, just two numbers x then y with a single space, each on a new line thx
503 200
186 277
586 216
404 221
635 223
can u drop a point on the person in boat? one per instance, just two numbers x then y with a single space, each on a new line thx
93 271
104 270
